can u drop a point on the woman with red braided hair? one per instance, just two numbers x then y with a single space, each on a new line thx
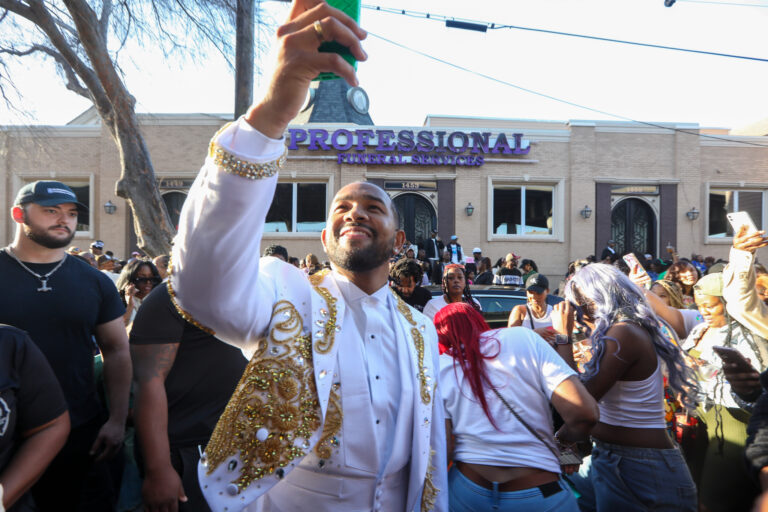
455 289
485 375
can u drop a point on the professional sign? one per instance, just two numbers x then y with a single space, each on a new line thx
407 147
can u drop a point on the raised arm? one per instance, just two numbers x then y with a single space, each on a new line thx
215 255
739 289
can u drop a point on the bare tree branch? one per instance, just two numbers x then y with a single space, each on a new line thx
106 11
17 8
73 82
85 39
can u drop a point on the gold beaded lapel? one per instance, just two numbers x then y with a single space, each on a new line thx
418 341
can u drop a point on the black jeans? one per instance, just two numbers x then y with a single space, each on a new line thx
184 460
74 482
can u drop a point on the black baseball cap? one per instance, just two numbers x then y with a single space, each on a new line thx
48 193
537 283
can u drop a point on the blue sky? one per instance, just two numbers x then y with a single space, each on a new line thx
638 83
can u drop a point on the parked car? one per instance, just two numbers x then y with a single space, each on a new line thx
497 301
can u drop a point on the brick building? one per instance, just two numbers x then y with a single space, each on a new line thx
500 184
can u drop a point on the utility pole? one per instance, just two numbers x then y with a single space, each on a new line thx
244 57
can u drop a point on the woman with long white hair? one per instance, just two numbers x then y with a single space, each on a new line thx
634 465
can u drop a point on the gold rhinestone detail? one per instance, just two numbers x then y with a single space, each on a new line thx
331 425
275 393
324 345
184 314
418 340
233 165
429 494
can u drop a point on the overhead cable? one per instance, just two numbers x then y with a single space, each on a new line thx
456 22
559 100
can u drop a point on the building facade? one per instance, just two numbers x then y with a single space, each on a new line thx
546 190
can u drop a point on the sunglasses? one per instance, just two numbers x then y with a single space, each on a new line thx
146 280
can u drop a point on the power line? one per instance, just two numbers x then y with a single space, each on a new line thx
730 4
559 100
486 25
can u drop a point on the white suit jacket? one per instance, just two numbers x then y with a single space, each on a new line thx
288 326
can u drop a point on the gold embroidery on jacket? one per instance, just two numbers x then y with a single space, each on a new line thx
418 340
331 427
429 493
276 397
184 314
327 336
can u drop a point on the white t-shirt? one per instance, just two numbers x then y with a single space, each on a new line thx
691 318
526 372
436 304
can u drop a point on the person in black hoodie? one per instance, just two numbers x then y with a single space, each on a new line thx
406 276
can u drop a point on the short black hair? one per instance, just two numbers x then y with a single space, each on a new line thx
406 267
276 250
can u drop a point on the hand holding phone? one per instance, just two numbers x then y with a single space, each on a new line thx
733 357
746 236
637 273
738 219
743 378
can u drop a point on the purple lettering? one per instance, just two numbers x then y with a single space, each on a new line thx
296 135
440 146
425 142
405 141
502 145
464 142
385 140
335 139
341 157
479 160
519 145
480 142
318 136
363 137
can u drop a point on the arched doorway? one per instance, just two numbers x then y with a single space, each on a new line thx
633 227
417 216
174 200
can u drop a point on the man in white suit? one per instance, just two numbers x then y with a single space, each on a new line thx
338 408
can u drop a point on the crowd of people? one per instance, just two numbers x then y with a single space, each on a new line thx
238 382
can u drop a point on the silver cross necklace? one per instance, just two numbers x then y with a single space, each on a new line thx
43 279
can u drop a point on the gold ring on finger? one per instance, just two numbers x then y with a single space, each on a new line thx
319 31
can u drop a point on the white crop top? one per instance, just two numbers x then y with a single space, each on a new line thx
544 321
635 403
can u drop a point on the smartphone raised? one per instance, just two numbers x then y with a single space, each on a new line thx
738 219
731 355
352 9
633 263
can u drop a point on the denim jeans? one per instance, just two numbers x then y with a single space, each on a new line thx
627 479
467 496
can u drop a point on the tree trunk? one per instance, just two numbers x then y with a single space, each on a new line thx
137 184
244 57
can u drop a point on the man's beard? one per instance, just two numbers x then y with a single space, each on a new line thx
360 259
41 237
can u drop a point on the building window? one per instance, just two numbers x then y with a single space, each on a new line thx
82 189
723 202
522 209
297 208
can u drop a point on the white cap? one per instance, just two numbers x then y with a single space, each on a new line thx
476 249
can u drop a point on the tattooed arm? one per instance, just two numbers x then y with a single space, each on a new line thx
162 488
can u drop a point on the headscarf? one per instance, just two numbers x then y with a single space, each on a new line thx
710 284
674 293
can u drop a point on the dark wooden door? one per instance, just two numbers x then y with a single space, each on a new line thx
417 216
633 227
